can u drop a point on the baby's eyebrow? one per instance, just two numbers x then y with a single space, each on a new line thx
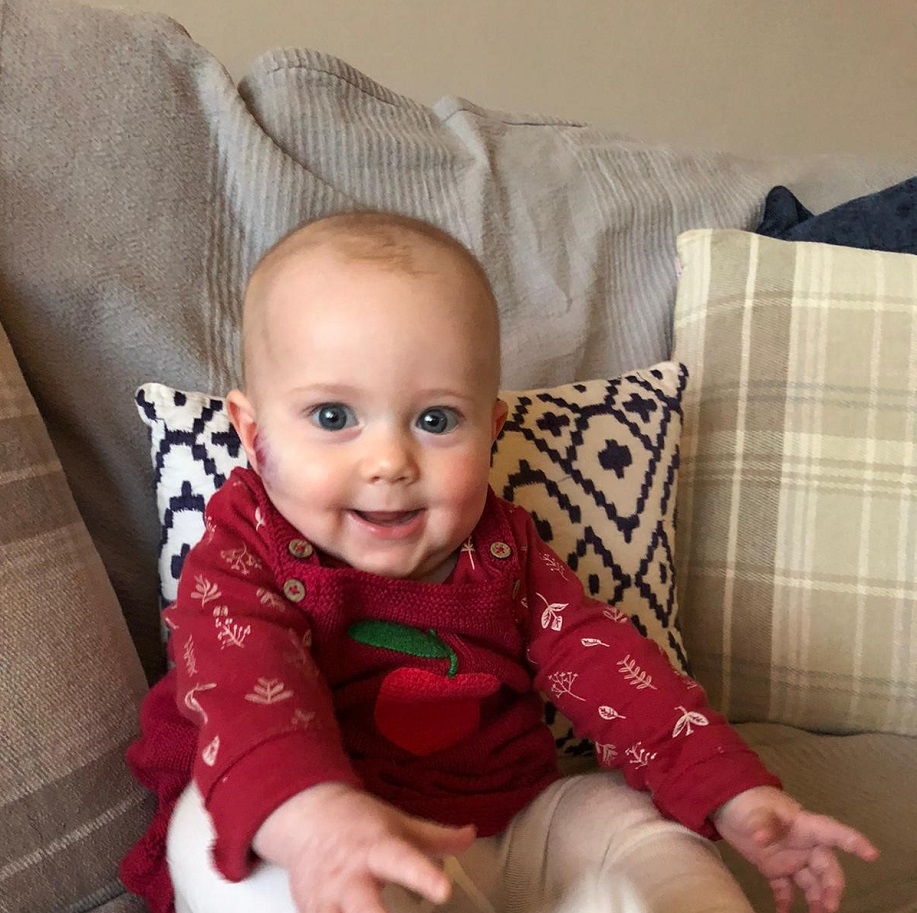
330 390
446 393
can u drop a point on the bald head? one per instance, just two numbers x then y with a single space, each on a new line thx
365 240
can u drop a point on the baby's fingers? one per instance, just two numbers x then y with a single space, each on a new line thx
858 844
782 889
437 840
822 880
830 832
395 861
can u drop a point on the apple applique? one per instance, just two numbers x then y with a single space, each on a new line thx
420 710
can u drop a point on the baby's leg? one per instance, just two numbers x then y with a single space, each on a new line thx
591 844
199 887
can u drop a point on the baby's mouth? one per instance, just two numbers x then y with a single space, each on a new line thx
386 517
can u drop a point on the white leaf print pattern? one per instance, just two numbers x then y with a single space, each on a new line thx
259 519
192 703
298 656
609 713
205 590
468 548
270 598
268 691
188 655
562 683
635 675
229 634
615 615
557 566
606 752
551 615
209 754
593 642
689 682
639 756
688 719
232 634
241 560
301 719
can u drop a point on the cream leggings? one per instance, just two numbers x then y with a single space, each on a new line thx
588 843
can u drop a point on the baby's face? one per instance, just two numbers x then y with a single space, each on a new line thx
374 396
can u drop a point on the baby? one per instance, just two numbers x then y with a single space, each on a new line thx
360 642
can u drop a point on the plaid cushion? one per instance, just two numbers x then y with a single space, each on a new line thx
70 684
797 536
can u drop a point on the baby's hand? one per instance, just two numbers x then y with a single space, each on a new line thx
793 848
340 846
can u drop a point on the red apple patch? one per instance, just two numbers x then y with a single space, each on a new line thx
416 709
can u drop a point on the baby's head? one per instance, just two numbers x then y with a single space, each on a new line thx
372 365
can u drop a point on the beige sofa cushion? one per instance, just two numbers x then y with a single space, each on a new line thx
797 537
70 684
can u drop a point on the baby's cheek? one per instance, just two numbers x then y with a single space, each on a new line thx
264 456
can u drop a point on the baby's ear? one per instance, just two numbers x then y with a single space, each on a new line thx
242 415
501 410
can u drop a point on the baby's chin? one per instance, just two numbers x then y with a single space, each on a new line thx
435 571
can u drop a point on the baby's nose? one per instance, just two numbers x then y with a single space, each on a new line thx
391 458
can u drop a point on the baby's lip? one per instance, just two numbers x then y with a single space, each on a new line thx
387 517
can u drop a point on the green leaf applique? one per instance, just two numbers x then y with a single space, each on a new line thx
391 635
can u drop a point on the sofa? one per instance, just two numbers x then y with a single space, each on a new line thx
139 184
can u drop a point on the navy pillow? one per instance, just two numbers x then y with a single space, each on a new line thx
886 220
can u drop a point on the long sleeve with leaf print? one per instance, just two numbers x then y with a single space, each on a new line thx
245 676
620 690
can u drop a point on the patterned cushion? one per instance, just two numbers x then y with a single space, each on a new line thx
70 684
797 536
595 463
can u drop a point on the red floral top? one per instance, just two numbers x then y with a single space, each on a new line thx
428 695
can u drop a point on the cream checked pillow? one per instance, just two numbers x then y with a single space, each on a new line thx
595 463
797 506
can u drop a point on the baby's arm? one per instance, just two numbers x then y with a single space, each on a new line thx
793 848
246 677
656 724
340 846
270 761
620 690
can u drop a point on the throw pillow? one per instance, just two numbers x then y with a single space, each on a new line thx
70 684
797 533
886 220
595 463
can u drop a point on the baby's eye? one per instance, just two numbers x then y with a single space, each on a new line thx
333 416
438 420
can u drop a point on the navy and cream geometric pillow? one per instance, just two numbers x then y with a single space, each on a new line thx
595 463
194 448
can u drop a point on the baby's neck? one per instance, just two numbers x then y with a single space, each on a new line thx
438 575
443 572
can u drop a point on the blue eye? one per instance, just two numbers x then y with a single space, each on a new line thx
333 417
439 420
